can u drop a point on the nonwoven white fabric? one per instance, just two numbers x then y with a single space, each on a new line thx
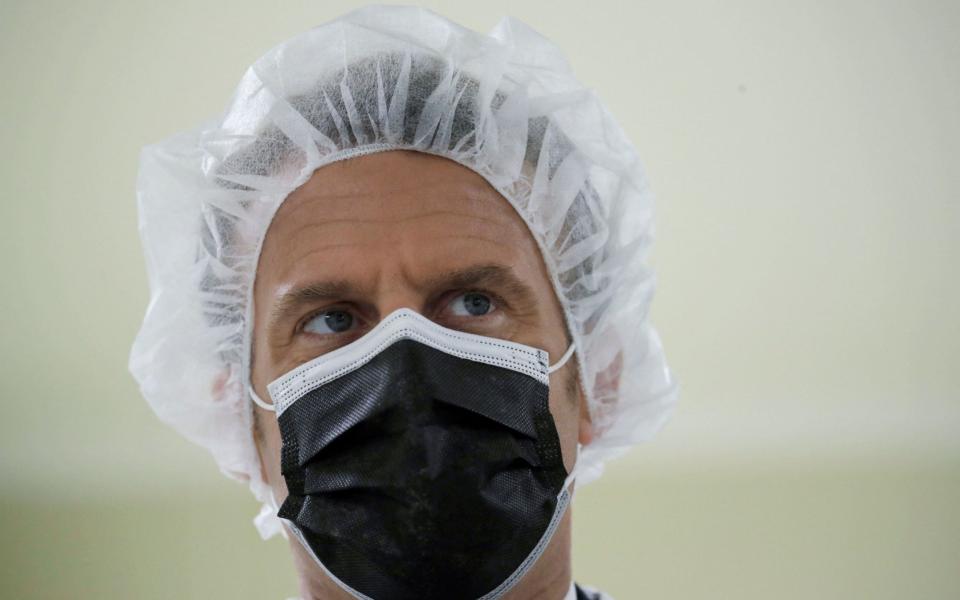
504 104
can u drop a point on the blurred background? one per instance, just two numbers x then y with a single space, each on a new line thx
805 157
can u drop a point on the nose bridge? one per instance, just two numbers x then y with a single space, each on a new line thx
396 288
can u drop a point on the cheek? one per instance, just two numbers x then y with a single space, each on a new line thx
566 416
270 454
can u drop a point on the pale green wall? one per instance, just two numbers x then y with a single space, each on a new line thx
806 162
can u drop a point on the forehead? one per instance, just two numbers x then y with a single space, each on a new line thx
410 209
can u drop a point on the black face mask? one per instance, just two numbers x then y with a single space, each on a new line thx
422 462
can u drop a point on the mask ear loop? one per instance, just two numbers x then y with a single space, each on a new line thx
268 520
258 401
575 470
563 359
271 508
576 461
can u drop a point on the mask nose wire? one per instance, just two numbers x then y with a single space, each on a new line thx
559 364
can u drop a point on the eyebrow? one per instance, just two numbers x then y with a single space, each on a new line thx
516 292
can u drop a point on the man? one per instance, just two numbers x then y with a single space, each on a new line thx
414 312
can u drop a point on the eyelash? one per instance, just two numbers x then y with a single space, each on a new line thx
497 299
312 315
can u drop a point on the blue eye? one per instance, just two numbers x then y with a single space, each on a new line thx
331 321
472 304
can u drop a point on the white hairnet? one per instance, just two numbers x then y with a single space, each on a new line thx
505 105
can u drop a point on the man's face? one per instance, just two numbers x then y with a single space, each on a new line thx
365 236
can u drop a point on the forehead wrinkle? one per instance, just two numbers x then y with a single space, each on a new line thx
368 180
467 236
283 266
499 222
326 248
468 189
491 226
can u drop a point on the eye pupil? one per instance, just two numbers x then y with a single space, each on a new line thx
338 320
476 304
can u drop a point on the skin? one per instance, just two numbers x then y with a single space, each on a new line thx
391 227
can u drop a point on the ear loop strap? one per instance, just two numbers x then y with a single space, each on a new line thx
574 471
268 521
576 461
258 401
563 359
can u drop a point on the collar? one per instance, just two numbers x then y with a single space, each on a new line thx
572 592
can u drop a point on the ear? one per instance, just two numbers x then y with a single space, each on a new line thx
218 390
258 442
256 414
586 423
219 387
606 385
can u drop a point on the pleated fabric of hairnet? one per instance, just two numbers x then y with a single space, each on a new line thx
505 105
